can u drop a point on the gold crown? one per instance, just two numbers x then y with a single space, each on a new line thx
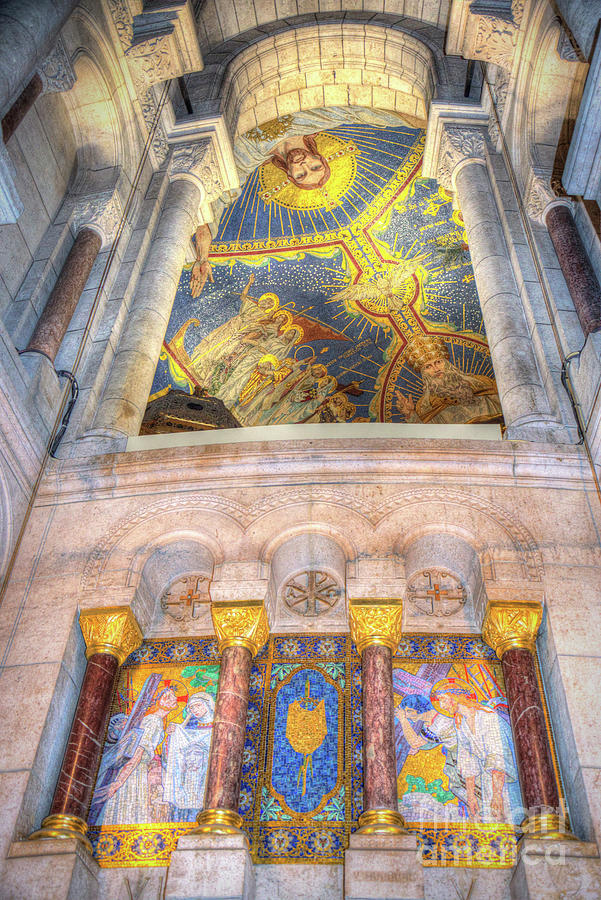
425 348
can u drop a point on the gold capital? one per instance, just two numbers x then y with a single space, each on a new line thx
511 624
110 629
376 621
241 624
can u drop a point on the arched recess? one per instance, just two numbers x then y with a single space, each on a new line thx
337 58
99 106
220 20
547 83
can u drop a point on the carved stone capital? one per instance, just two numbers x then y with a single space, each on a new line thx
240 625
112 629
197 162
375 621
510 624
56 71
540 197
458 145
101 211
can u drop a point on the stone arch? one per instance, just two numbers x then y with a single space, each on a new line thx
221 20
99 104
547 84
525 550
6 522
393 63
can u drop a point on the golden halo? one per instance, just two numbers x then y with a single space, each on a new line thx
342 159
275 301
300 332
269 357
449 685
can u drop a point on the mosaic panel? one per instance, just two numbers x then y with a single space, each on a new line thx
301 792
338 288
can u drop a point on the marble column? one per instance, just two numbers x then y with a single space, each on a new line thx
56 316
28 30
376 630
576 266
111 634
510 628
242 629
21 106
126 394
462 168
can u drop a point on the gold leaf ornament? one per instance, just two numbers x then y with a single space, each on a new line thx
376 622
241 625
111 629
511 624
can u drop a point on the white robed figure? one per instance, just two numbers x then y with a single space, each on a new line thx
188 746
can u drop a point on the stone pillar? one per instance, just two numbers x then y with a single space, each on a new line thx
21 107
54 321
462 168
214 860
125 397
546 208
54 76
28 29
510 628
376 630
382 860
111 634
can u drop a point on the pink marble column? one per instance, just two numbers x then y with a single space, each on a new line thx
21 107
227 744
379 762
56 316
111 634
576 266
532 748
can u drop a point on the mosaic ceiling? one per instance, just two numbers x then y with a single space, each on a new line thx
338 288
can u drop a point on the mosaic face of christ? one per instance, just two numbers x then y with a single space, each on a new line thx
303 164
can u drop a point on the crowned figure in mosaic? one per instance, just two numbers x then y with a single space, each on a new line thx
450 395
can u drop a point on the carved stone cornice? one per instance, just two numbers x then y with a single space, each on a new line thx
111 629
56 71
101 211
240 625
511 624
458 144
486 30
158 45
376 621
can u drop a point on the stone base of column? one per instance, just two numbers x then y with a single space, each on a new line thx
561 868
210 867
542 432
51 869
45 388
383 867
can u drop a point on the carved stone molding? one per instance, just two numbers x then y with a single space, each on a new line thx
101 211
187 598
56 71
240 625
510 624
458 144
311 593
434 593
566 48
158 45
97 574
112 629
375 621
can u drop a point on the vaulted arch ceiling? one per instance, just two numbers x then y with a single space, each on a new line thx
386 61
220 20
